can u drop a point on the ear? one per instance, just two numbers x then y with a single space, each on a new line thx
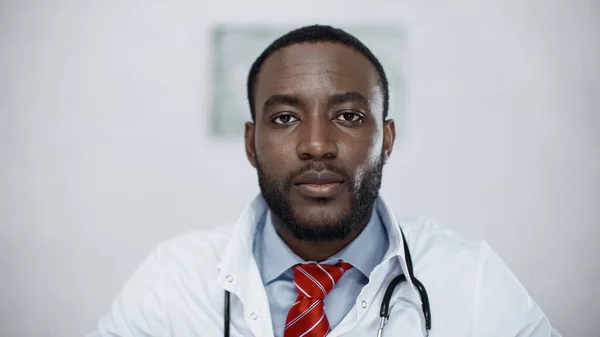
389 135
250 143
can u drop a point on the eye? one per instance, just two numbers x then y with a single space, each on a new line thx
284 119
349 117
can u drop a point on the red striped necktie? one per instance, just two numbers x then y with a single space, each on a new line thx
313 281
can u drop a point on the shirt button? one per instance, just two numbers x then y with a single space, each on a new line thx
229 278
253 316
364 304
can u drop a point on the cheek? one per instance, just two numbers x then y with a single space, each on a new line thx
275 156
375 150
364 169
367 158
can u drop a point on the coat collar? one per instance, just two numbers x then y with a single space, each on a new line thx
237 265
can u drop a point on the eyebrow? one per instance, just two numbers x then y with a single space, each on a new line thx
275 100
347 97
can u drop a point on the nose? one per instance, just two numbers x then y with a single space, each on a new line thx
316 139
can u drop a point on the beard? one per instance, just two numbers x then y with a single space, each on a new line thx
322 228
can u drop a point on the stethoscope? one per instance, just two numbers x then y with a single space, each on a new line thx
384 312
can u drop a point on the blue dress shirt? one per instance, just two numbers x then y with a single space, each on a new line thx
275 261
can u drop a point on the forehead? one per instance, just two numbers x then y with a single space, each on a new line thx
316 70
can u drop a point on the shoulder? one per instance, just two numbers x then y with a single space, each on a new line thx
452 251
196 248
442 254
158 292
426 237
483 287
188 266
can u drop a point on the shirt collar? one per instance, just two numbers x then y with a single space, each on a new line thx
365 252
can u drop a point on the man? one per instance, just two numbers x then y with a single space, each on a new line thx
314 253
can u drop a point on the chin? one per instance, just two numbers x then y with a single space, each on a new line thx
320 214
320 225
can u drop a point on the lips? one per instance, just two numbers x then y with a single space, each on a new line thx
318 177
319 184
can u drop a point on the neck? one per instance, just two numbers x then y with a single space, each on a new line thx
317 250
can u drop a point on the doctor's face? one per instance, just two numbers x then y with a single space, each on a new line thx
319 140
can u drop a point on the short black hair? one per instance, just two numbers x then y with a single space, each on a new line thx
317 33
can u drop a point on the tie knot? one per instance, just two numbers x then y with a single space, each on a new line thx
315 280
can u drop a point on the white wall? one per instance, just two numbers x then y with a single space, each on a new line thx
104 148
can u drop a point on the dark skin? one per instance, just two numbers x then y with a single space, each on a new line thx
318 102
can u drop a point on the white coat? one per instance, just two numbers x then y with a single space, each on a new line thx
178 291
